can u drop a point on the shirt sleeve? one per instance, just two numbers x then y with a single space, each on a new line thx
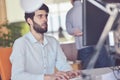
18 62
69 27
61 63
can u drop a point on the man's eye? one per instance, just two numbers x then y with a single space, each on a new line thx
40 16
46 15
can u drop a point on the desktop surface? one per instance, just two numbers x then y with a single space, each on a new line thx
97 74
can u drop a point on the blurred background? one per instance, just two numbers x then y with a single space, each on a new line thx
12 23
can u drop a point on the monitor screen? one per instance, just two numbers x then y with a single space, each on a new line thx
94 20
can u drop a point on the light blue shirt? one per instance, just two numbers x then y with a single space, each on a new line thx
31 60
74 20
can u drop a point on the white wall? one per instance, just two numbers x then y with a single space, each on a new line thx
14 11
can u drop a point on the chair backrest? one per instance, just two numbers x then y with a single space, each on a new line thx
5 65
70 51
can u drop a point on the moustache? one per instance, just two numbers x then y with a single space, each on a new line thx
44 24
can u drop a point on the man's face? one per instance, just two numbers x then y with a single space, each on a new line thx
40 21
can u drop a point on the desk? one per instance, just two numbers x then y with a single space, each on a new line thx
76 65
98 74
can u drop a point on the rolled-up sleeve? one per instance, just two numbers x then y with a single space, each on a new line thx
61 63
69 27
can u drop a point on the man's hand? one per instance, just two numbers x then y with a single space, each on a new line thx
62 75
57 76
77 32
73 74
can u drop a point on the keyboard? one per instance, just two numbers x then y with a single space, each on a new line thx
77 78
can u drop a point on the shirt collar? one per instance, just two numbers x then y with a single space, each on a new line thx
33 40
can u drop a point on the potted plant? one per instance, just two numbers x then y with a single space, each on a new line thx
13 31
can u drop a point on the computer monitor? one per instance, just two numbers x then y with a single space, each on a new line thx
95 17
97 23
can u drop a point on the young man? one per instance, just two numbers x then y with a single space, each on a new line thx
35 55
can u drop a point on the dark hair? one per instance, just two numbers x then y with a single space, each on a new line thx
31 15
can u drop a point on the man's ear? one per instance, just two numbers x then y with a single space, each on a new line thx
30 21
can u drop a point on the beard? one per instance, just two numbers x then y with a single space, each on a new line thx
38 28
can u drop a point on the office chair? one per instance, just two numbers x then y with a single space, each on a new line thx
104 59
5 65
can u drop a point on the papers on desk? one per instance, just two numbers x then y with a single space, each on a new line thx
111 76
101 74
108 76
